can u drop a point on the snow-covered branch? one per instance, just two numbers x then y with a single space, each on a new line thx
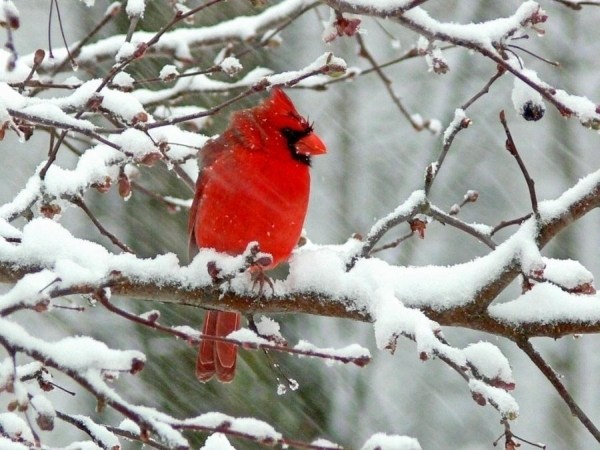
490 39
146 102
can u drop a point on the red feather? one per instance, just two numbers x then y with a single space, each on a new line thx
253 185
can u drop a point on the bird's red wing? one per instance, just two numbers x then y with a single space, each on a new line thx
209 154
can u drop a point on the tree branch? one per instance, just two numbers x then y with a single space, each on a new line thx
553 378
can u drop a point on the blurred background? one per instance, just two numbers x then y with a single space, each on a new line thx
375 160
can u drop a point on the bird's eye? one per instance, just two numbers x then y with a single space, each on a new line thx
292 136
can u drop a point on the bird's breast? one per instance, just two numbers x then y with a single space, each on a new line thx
249 196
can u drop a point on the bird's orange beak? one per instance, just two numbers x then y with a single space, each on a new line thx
311 144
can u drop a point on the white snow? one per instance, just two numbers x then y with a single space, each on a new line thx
325 443
79 353
17 74
173 112
382 441
459 116
567 273
489 362
43 407
247 336
484 33
126 51
99 432
200 83
353 351
124 80
217 441
269 327
258 429
168 71
135 143
507 406
135 8
9 444
522 94
231 65
15 427
130 426
546 304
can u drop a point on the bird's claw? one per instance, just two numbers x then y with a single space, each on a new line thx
259 277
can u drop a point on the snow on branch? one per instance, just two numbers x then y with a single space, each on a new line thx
180 42
342 293
491 39
113 121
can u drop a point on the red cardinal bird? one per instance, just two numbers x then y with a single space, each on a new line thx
253 185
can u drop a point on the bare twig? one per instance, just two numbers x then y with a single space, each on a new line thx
577 4
485 89
364 52
541 58
81 204
512 149
455 127
37 60
393 244
554 379
162 199
113 10
508 223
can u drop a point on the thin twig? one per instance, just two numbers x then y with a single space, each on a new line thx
112 12
552 63
62 34
85 428
457 126
37 60
554 379
445 218
512 149
485 89
393 244
79 202
381 227
577 5
507 223
364 52
154 195
195 340
258 86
